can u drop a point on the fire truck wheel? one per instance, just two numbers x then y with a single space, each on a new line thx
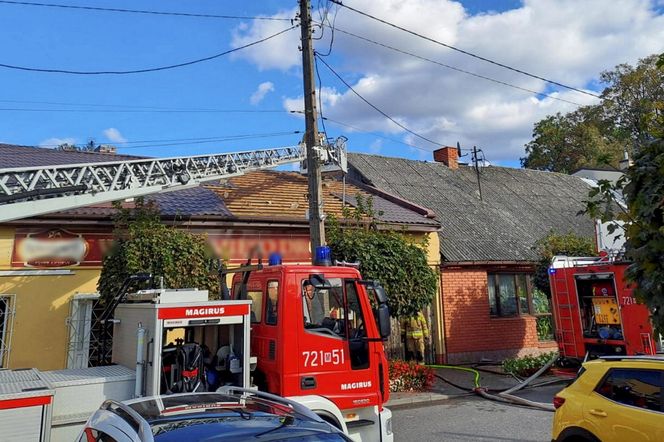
327 417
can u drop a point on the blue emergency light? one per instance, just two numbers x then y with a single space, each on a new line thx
552 271
323 256
274 259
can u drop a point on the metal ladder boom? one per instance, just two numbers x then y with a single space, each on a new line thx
30 191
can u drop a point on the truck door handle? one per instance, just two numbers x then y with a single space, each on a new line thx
599 413
308 382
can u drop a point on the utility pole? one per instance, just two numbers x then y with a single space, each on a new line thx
477 170
316 225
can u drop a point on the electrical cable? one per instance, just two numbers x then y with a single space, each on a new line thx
470 54
331 26
128 111
141 71
199 140
320 96
339 123
463 71
143 108
138 11
376 108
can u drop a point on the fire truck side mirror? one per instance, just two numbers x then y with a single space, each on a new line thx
381 296
384 324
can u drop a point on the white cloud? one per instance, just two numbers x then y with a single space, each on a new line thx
260 93
277 53
564 40
55 142
114 135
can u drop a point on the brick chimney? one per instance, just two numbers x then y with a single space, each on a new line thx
448 156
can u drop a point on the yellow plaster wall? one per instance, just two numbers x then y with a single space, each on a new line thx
6 244
41 306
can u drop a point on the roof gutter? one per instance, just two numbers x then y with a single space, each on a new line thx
486 263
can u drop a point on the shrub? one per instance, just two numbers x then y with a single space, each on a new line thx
527 365
409 376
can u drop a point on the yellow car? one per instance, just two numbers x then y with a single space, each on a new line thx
612 399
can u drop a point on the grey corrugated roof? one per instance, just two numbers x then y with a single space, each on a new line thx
389 212
26 156
519 206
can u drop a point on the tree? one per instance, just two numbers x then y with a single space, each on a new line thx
90 146
398 263
645 233
558 244
597 135
143 244
633 98
643 191
564 143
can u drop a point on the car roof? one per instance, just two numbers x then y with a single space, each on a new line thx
235 414
198 404
645 361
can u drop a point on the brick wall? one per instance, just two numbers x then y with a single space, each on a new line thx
470 333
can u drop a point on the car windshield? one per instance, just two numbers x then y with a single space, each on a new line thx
227 428
213 416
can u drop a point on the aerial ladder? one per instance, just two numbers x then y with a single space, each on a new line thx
31 191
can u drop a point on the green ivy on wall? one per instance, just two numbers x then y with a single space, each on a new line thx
144 244
397 262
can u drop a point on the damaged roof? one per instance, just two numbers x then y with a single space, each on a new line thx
518 206
265 195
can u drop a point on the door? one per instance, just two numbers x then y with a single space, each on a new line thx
6 328
334 351
80 324
627 406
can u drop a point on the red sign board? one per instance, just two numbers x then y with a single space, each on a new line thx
59 248
53 248
237 247
207 311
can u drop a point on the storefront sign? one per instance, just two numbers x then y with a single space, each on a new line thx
59 248
237 247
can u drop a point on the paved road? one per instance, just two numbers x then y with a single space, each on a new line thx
471 418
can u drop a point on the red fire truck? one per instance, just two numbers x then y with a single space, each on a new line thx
317 333
595 310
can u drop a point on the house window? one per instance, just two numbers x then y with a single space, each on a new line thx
512 294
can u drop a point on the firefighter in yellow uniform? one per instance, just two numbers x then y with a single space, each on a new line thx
416 332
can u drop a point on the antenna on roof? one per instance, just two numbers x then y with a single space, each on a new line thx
477 168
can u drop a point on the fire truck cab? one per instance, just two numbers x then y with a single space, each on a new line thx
595 310
317 333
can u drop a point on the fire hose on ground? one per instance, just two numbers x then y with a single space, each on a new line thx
504 396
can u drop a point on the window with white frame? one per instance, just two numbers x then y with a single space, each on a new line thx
6 328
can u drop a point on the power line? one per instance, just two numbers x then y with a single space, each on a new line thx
355 128
189 141
121 107
376 108
140 71
455 68
320 96
139 11
470 54
221 111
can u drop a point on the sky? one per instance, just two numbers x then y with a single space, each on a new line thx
250 98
